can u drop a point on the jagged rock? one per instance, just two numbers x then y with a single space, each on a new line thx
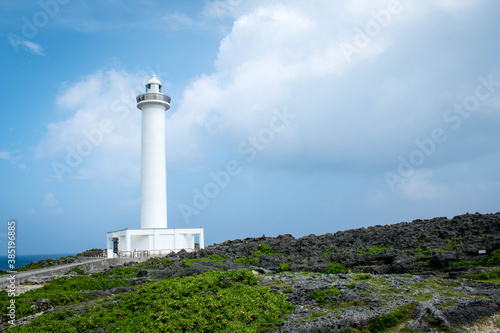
42 305
209 293
119 290
139 280
32 280
194 269
428 315
94 293
441 260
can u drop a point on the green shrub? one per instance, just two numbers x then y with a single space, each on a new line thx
415 250
245 260
363 277
62 291
122 272
77 270
351 286
285 267
265 250
288 290
374 250
335 268
433 250
217 257
463 263
495 274
383 322
181 305
165 262
320 295
494 259
330 249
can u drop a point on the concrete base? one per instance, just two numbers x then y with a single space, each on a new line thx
154 241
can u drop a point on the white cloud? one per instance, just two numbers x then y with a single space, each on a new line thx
361 114
32 47
5 155
175 21
103 128
49 201
418 187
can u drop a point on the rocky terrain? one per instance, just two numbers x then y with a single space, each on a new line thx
438 275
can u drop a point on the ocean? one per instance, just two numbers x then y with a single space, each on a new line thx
22 260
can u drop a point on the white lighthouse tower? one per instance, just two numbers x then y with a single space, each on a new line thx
153 238
153 105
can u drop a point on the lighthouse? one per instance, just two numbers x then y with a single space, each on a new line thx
153 238
153 105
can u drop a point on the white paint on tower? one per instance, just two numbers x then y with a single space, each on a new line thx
153 169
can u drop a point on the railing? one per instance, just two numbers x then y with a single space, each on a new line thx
153 96
141 254
125 254
150 253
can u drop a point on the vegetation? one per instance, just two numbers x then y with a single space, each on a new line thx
91 252
374 250
65 291
265 250
492 260
363 277
320 295
486 276
245 260
154 262
386 321
335 268
330 249
211 302
383 322
77 271
285 267
213 257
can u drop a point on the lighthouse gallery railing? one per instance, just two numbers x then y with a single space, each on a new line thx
153 96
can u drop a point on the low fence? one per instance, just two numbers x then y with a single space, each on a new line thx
150 253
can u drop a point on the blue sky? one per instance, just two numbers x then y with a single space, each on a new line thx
285 117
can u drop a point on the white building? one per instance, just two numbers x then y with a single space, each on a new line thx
153 238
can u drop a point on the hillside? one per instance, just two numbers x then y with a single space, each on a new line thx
422 276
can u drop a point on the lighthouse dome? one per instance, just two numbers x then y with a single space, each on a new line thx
153 79
153 85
